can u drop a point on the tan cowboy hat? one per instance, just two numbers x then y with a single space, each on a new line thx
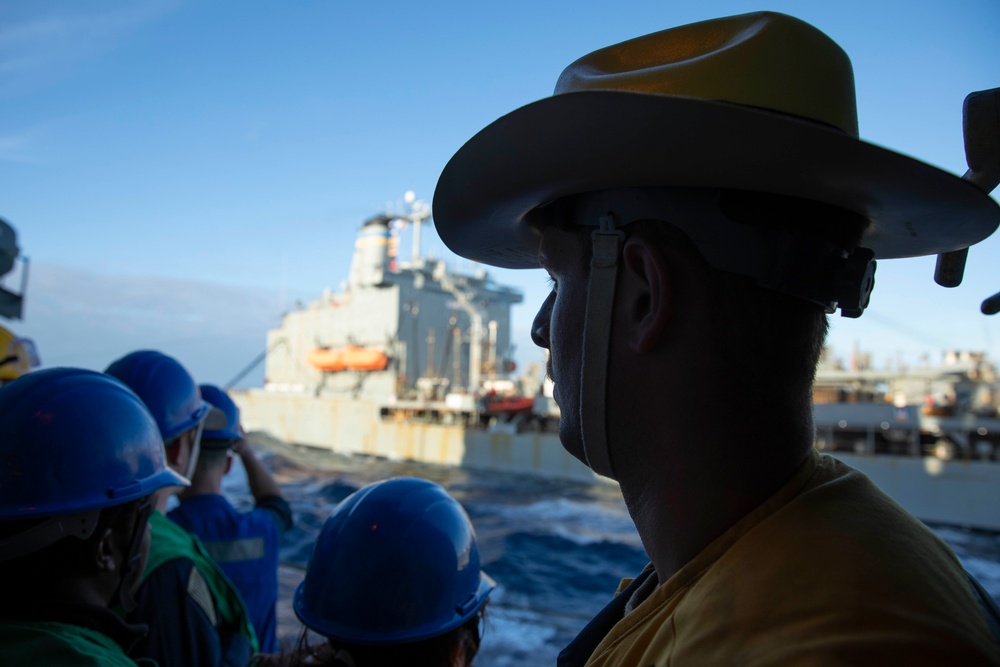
761 102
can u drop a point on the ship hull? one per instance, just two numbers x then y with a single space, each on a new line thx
357 427
958 492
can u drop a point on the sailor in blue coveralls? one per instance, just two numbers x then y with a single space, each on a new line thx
244 544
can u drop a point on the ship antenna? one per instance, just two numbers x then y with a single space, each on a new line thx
417 211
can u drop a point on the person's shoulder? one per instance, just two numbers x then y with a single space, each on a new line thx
171 571
201 594
170 541
276 511
848 500
181 516
200 502
52 643
180 579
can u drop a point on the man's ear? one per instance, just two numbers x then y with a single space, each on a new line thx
646 293
106 556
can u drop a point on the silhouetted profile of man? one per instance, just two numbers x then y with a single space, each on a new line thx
701 201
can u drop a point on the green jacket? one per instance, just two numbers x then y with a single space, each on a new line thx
170 541
49 644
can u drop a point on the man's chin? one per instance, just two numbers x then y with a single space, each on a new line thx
571 440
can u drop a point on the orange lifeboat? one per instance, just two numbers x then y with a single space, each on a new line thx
326 359
364 359
349 358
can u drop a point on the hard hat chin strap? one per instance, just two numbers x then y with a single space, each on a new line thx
195 450
50 531
607 241
134 557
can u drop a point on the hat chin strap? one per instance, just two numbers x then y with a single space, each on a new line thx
131 572
195 451
50 531
607 242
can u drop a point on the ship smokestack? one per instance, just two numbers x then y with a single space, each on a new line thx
371 253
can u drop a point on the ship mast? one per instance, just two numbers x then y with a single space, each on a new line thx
418 211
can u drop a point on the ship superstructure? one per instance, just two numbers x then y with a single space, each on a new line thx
947 410
400 331
409 360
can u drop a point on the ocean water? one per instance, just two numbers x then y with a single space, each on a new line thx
557 549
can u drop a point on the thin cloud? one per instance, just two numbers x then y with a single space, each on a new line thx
37 50
215 330
13 65
17 148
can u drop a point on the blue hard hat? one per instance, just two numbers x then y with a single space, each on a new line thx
396 562
166 388
225 433
74 440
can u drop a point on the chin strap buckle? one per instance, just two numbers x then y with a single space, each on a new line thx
855 282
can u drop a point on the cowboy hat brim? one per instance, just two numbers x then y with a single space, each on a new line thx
595 140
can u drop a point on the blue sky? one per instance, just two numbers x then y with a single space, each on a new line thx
178 172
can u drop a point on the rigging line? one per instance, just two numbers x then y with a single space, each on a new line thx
252 365
909 332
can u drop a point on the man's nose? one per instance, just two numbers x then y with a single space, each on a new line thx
540 327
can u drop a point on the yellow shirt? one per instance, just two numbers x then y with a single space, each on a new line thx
828 571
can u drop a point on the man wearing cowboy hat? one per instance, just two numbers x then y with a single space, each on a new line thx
701 201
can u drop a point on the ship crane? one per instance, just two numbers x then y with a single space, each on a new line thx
418 212
475 316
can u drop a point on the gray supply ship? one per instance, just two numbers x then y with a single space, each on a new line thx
411 361
929 435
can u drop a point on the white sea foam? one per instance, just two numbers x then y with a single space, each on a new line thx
580 522
517 637
525 630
